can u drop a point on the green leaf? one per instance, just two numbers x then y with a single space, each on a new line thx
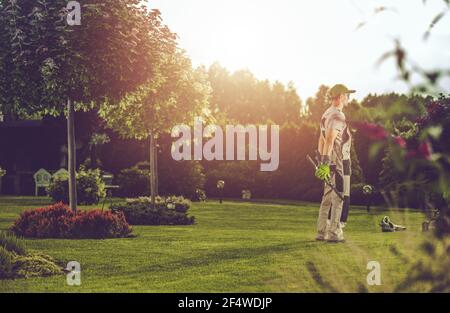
374 149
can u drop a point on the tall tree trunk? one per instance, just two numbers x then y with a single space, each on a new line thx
71 151
152 169
156 168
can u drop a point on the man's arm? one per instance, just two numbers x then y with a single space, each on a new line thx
326 144
323 171
330 136
321 143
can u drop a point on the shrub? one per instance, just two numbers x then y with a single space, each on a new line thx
11 243
200 195
180 177
99 224
167 211
35 266
54 221
58 190
58 221
90 187
6 261
134 181
15 262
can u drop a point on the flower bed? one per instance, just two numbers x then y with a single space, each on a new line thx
58 221
167 211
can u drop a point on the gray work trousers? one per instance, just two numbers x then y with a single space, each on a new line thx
332 207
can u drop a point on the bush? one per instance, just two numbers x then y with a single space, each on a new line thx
134 181
16 263
180 177
50 222
35 266
99 224
58 221
11 243
58 190
200 195
6 261
167 211
90 187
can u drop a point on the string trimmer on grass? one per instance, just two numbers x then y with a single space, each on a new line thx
388 226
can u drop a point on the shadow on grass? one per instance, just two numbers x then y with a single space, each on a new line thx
226 255
317 277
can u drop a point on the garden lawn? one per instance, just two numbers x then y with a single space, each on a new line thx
233 247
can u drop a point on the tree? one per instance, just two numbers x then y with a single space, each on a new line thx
44 62
317 105
240 97
175 96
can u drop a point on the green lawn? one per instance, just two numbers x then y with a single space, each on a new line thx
234 247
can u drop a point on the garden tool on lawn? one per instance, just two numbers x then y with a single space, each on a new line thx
388 226
326 181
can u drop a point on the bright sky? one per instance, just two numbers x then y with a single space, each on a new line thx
310 42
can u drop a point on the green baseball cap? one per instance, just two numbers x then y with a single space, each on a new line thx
339 89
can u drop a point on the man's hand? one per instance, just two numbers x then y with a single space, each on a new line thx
323 172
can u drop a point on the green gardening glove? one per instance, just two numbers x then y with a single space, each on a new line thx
323 172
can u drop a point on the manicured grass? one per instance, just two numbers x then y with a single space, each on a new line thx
233 247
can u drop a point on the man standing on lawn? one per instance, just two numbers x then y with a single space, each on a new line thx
334 165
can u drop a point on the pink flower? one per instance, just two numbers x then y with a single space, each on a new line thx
400 141
371 130
423 150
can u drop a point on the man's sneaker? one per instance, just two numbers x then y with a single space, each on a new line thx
321 237
336 240
343 224
339 237
340 234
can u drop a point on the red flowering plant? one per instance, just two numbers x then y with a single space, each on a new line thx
52 221
58 221
416 162
100 224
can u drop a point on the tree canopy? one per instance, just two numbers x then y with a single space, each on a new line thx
175 95
117 48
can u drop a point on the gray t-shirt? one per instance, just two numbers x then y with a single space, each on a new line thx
335 119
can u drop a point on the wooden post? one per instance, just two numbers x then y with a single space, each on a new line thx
152 169
71 151
156 168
